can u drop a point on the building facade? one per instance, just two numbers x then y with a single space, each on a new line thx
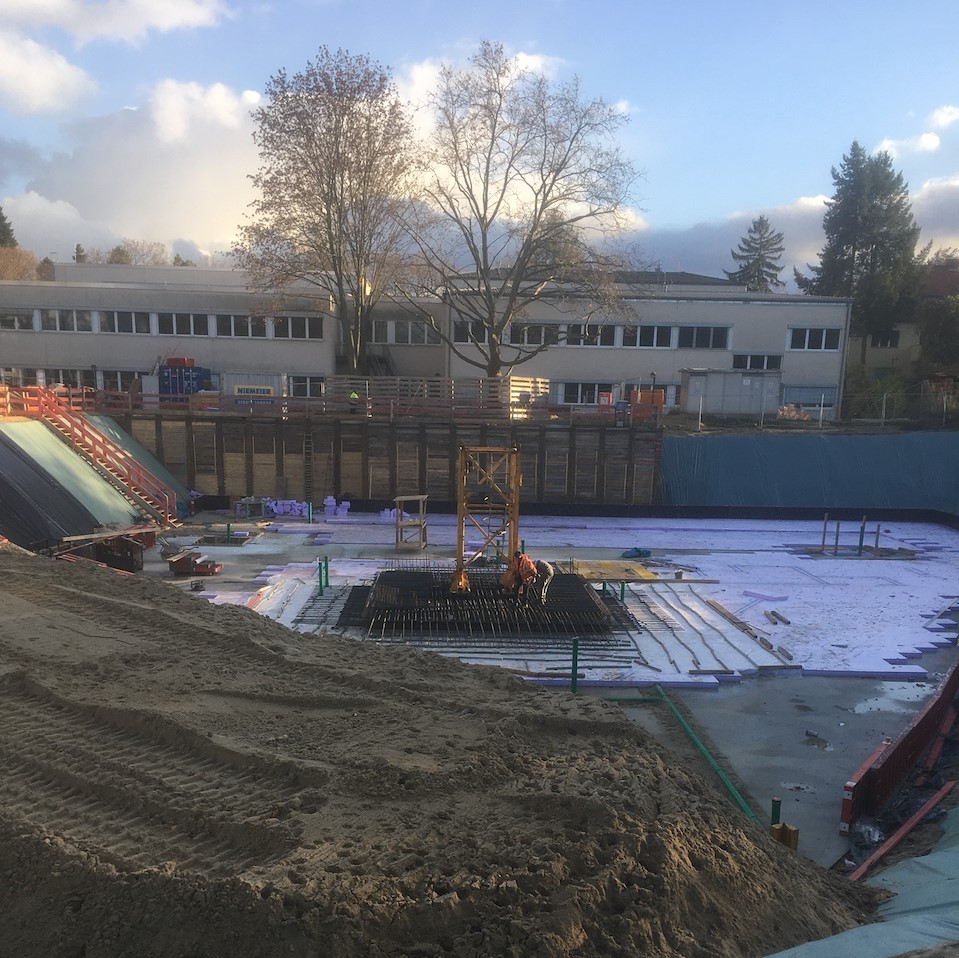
108 327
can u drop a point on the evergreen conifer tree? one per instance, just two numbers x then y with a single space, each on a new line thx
758 258
6 231
870 253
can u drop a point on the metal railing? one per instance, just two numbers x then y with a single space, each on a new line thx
59 412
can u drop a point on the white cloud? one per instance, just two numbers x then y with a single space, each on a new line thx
128 20
148 173
178 106
53 227
924 143
35 79
945 116
935 206
539 63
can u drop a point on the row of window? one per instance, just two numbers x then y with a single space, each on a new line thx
404 332
590 393
119 380
313 387
165 324
652 337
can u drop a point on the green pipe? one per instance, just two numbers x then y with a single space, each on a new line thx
228 533
622 592
309 513
326 570
775 817
319 576
575 667
723 777
635 700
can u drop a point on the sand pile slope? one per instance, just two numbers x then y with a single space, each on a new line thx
183 779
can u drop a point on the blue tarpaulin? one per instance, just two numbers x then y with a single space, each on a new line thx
903 471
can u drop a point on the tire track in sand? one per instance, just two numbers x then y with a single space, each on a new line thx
132 798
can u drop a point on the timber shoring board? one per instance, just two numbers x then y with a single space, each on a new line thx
588 463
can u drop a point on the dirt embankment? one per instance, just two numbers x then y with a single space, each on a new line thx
183 779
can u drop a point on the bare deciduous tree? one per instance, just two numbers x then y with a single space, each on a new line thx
334 143
522 180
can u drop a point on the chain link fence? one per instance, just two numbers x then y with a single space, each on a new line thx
931 405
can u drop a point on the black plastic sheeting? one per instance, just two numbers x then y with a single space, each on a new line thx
907 471
35 510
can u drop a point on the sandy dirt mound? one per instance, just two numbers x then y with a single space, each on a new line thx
183 779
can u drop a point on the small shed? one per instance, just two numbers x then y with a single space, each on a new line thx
730 392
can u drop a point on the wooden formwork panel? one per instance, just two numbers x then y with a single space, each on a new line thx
234 438
206 482
204 448
381 460
144 431
264 474
556 465
174 449
351 474
234 470
293 473
264 439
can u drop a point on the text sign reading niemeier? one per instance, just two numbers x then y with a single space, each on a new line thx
253 394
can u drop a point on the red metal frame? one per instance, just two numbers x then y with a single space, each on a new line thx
889 766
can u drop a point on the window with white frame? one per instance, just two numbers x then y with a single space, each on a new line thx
584 393
584 334
118 380
469 331
183 324
533 334
757 361
124 321
306 387
297 327
23 322
66 320
240 325
414 332
702 337
655 337
814 338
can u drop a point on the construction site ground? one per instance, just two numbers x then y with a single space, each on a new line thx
185 777
866 643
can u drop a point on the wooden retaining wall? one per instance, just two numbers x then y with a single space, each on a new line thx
309 459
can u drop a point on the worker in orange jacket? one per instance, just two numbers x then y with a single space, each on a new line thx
524 574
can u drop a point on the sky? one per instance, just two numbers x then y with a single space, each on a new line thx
131 118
